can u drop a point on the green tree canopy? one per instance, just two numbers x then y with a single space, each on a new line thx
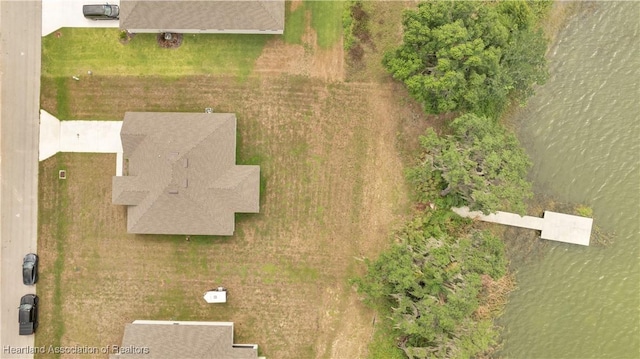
434 285
481 163
457 55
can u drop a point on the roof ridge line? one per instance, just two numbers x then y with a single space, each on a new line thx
235 166
275 21
187 151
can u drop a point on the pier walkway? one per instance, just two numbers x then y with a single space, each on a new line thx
555 226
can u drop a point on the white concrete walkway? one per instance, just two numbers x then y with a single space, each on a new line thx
555 226
68 13
79 136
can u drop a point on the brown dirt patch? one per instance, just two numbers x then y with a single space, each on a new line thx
329 64
279 57
294 4
169 40
307 59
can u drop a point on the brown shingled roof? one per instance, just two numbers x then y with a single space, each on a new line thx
180 175
171 340
228 16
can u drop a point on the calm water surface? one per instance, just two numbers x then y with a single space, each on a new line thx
582 131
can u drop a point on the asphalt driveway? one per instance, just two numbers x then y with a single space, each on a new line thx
68 13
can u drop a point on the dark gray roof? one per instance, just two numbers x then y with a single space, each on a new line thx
188 340
180 175
230 16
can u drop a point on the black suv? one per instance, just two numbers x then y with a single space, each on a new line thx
101 12
28 314
30 269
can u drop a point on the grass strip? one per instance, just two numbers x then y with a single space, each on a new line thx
75 51
62 97
326 19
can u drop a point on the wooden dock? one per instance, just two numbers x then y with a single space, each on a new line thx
554 226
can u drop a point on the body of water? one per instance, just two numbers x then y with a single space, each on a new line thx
582 131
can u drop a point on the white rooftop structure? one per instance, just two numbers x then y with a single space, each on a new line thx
218 295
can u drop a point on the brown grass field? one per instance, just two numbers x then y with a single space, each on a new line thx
333 189
332 154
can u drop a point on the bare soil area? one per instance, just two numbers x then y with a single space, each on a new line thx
306 59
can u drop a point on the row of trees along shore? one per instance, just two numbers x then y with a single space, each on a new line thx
439 281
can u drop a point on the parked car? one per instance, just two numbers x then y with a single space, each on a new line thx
30 269
101 12
28 314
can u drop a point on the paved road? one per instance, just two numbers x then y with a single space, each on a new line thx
20 52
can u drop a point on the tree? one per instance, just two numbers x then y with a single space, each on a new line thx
524 59
466 55
525 63
481 163
450 54
431 279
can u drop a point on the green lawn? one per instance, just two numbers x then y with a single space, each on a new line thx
384 343
74 51
326 20
296 21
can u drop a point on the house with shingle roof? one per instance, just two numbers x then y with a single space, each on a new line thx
203 16
156 339
180 174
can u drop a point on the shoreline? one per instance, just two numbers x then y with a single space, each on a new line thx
521 245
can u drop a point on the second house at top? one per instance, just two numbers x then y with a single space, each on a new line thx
203 16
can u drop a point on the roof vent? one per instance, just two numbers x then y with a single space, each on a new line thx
173 156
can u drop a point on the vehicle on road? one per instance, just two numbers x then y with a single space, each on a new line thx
28 314
30 269
101 12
